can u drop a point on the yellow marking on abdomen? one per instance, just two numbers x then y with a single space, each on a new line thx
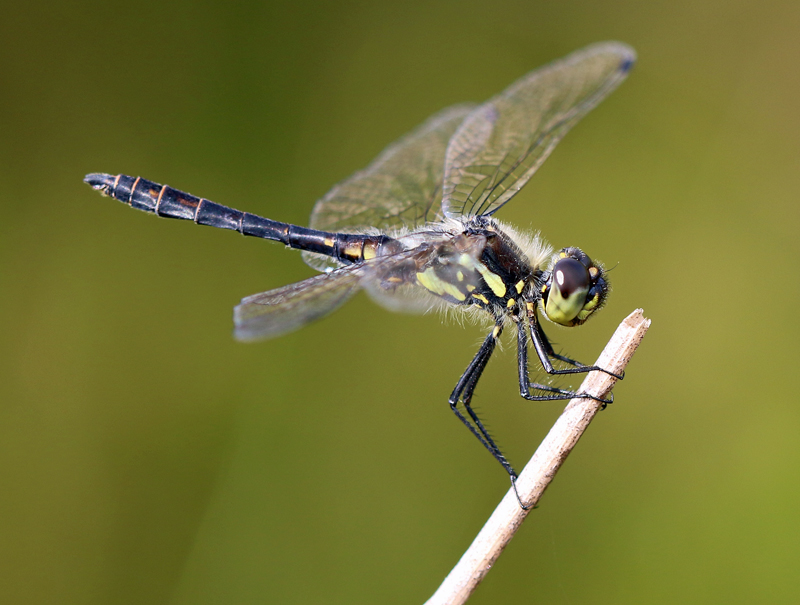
353 250
520 284
481 298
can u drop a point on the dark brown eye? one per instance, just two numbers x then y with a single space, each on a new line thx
569 276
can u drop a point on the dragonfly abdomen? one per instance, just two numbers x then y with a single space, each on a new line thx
164 201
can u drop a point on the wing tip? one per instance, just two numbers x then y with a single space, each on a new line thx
627 64
628 59
625 52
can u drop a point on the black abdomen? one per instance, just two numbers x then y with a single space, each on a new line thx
167 202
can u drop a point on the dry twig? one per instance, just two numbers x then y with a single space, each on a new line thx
539 472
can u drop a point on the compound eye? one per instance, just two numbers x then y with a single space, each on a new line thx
570 276
568 290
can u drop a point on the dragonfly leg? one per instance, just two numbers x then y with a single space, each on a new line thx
544 350
466 387
552 393
463 392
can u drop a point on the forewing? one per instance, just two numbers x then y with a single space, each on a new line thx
400 188
279 311
503 142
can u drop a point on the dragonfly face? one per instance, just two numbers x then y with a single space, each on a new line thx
416 230
576 288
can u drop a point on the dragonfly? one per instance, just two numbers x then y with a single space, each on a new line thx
416 229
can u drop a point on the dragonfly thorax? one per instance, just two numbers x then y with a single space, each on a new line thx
482 265
485 264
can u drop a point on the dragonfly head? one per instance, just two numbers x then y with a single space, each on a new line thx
574 288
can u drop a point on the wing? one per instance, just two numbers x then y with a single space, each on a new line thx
279 311
503 142
402 186
283 310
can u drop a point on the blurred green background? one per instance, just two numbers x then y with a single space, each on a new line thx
146 457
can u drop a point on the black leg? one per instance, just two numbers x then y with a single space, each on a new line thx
544 351
548 348
554 394
464 390
466 387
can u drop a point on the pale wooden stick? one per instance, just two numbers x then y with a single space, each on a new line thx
539 472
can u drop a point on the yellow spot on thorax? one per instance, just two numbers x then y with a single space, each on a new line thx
430 281
425 281
494 281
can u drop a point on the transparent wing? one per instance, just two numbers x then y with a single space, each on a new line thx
503 142
402 186
279 311
285 309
